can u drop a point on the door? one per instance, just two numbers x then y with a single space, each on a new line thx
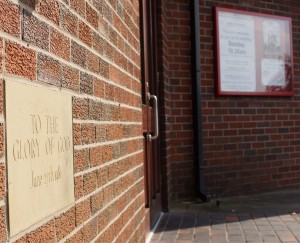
150 111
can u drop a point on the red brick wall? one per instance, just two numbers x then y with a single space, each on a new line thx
251 144
164 103
90 49
176 99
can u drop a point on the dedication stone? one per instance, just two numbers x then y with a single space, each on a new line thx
39 153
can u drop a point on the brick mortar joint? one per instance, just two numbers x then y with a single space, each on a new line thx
79 227
121 19
5 75
106 101
131 219
55 215
124 210
3 63
121 2
115 103
142 237
96 122
90 170
92 27
82 199
111 142
108 143
41 223
69 63
24 6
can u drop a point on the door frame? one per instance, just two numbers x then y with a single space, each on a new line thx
150 90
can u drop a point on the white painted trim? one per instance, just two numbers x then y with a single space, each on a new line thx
154 228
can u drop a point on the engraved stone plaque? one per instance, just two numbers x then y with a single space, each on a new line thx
39 149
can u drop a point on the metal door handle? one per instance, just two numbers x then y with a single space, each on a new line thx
149 136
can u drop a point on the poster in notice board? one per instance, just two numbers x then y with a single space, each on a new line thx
254 53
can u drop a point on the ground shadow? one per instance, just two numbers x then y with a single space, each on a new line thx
261 218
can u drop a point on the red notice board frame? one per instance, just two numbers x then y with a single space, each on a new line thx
254 53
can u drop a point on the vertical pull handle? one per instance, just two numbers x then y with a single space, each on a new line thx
156 133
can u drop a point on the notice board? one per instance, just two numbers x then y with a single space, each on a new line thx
254 53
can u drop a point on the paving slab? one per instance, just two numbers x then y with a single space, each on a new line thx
271 217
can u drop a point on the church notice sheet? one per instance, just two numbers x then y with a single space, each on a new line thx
237 52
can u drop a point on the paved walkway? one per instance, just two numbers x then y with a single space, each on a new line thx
265 218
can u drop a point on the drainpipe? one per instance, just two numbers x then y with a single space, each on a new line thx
197 118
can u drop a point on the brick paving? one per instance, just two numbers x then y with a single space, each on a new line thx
276 220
